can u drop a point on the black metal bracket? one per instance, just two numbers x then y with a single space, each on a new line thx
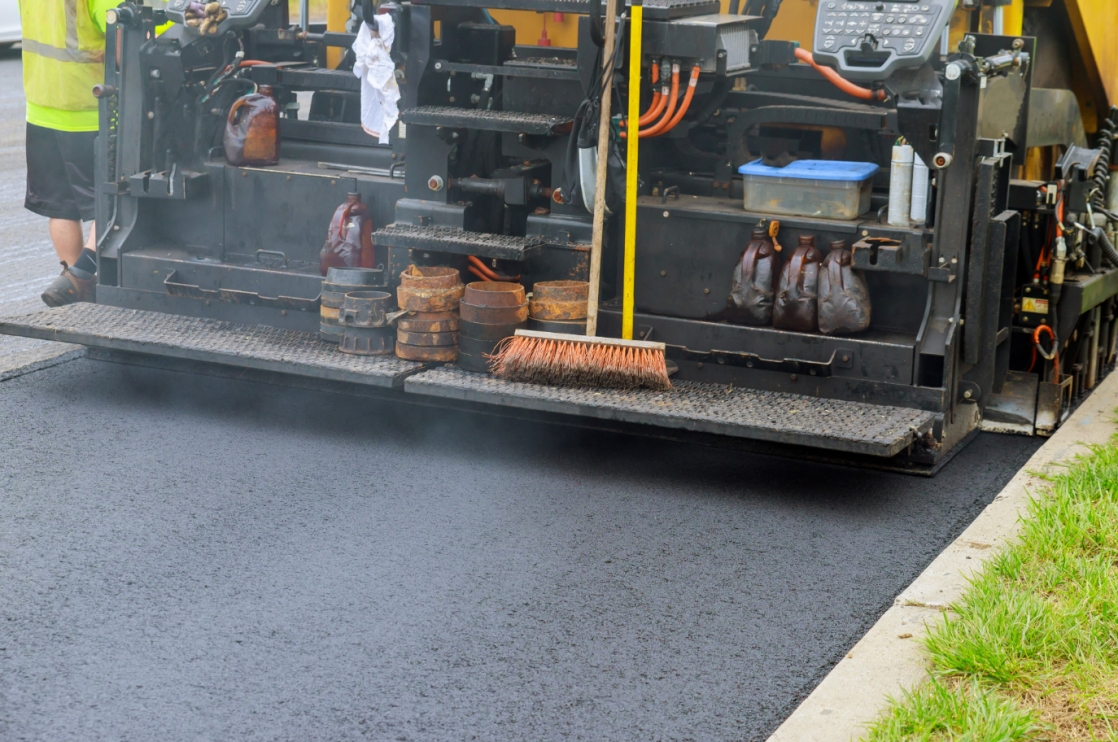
840 358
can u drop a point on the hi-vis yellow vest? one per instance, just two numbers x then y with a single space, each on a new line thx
63 58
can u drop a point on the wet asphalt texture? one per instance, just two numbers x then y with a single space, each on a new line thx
191 558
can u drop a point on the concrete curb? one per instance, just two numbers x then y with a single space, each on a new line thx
889 658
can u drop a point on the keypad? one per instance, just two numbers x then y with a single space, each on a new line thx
902 27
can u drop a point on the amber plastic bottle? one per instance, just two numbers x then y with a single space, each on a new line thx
844 298
754 284
349 243
252 130
796 306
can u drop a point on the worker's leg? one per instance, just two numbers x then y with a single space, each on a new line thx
60 187
66 234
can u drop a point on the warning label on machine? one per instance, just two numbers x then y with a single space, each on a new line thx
1036 306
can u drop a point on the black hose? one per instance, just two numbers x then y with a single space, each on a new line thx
718 96
1106 143
1098 236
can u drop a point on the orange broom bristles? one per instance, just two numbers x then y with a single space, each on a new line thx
572 360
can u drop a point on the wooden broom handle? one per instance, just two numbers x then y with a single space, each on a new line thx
600 175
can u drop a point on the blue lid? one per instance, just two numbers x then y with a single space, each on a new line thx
814 170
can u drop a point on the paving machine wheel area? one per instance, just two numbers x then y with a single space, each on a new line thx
864 253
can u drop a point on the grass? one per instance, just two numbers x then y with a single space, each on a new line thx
1031 650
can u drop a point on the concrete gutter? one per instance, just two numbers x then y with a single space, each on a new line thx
889 658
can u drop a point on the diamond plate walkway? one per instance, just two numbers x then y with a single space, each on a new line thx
837 426
854 427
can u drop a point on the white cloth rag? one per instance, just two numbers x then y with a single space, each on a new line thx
379 91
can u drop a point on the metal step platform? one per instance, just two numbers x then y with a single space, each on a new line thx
512 122
851 427
208 340
832 427
457 241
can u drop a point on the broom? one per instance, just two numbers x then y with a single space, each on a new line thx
589 361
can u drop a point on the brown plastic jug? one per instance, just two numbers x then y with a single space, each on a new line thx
252 130
796 306
754 284
349 242
844 298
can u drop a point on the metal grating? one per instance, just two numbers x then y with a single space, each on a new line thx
472 118
457 241
208 340
851 427
672 9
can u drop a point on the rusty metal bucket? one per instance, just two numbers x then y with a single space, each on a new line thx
494 294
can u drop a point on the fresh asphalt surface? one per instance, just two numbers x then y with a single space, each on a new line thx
184 558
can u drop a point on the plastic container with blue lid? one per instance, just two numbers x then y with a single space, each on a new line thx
829 189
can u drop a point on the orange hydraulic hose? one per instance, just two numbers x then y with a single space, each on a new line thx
656 107
838 81
475 262
659 101
478 273
659 125
683 106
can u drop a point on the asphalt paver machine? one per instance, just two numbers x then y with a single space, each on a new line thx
993 296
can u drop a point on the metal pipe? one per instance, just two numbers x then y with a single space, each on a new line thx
304 14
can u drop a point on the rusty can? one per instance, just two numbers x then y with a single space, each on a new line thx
429 300
566 327
557 310
430 277
428 322
366 309
427 338
431 353
494 294
493 315
552 291
479 331
367 341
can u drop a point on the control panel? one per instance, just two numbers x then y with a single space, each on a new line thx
869 41
237 13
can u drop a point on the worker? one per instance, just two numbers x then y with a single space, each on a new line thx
63 58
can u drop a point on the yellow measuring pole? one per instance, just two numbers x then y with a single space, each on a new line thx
632 145
337 14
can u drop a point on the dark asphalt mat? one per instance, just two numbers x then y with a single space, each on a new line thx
185 557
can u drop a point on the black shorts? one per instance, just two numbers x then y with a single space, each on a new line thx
60 173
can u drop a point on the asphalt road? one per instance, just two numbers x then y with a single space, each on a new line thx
188 558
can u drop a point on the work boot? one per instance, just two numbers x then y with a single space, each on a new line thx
72 286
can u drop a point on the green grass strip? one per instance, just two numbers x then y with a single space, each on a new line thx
1031 650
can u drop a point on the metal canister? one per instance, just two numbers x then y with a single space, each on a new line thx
367 341
494 294
428 353
430 277
560 301
366 309
566 327
489 332
428 322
